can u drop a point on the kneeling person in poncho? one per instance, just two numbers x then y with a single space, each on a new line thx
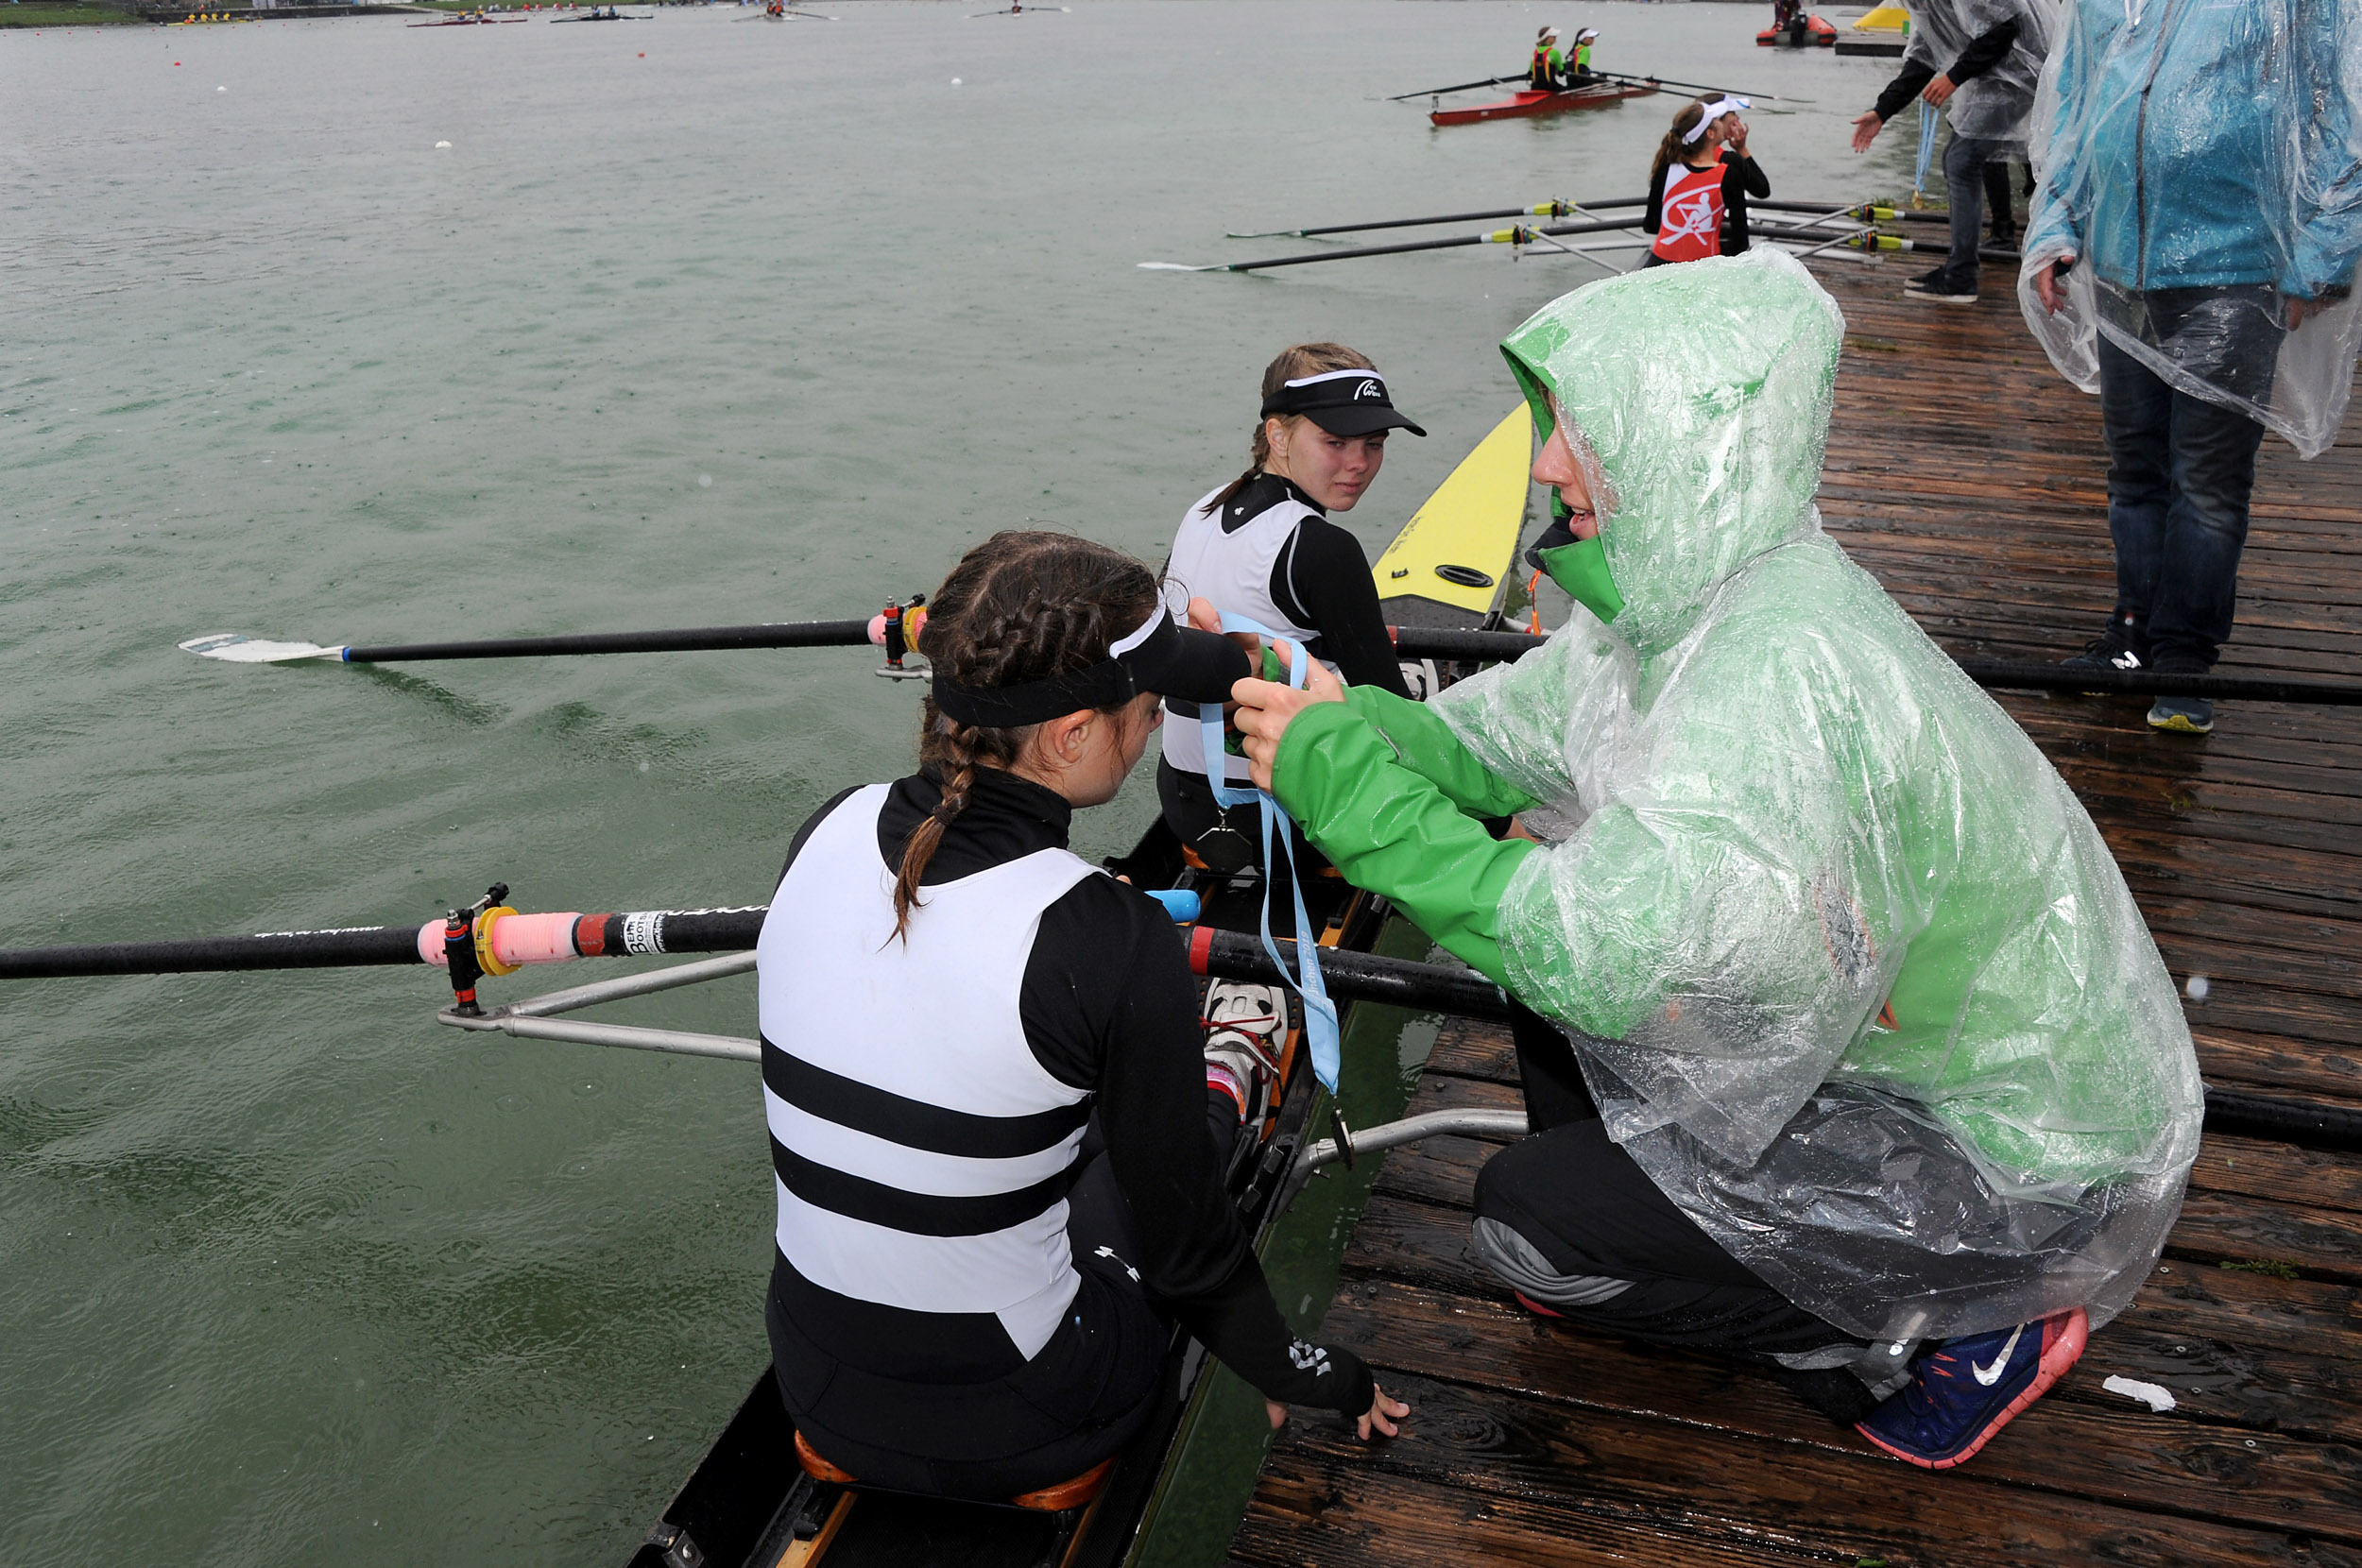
1873 1075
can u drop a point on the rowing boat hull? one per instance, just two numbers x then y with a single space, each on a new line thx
1526 105
1447 566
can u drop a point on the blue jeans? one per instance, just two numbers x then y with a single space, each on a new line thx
2179 472
1964 162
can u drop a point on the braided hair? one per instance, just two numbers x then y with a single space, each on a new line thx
1020 607
1293 364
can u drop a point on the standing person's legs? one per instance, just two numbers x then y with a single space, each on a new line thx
2229 340
2213 466
1964 163
1997 199
1570 1223
2137 413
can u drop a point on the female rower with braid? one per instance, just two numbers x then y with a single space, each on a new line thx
998 1179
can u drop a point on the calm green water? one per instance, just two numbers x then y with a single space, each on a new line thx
692 321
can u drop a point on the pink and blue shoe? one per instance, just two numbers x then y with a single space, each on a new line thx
1966 1390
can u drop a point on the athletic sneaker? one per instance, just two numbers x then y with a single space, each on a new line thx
2111 650
1244 1026
2183 715
1942 290
1967 1389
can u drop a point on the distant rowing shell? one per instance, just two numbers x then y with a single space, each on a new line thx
1531 103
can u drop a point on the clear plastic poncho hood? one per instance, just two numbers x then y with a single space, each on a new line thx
1850 972
2203 162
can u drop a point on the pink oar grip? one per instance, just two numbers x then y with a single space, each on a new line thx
516 939
535 938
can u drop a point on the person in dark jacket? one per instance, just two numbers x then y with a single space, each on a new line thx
1978 61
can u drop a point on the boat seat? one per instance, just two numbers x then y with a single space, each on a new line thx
1066 1495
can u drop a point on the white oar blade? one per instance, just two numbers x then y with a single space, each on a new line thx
238 648
1176 266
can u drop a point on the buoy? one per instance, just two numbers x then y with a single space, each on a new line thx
442 147
956 81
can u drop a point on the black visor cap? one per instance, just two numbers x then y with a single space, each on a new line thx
1343 402
1184 662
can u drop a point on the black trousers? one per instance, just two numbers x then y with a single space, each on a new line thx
1568 1220
1080 1399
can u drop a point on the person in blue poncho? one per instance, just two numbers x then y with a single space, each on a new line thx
2190 257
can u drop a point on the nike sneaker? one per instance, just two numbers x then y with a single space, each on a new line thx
1244 1027
1967 1389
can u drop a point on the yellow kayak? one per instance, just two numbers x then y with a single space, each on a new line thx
1448 565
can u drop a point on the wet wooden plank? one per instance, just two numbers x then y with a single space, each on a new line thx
1718 1485
1310 1513
2303 1473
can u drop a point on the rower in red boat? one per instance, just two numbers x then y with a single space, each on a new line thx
1546 70
1699 187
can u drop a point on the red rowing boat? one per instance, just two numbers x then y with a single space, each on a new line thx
1545 103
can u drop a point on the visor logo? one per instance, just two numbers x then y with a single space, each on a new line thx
1370 389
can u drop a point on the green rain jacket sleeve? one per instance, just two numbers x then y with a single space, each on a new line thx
1394 832
1429 747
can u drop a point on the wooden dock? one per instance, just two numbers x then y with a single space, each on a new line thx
1970 479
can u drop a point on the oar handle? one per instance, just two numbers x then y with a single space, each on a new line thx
1351 976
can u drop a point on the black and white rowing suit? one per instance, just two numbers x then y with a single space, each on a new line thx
1270 553
994 1168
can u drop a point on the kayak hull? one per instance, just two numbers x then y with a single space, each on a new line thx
1526 105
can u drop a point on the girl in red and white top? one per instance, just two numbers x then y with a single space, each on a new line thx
1699 187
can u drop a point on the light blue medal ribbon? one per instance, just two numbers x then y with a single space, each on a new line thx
1319 1014
1926 147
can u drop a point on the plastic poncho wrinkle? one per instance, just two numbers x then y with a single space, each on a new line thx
2203 162
1850 972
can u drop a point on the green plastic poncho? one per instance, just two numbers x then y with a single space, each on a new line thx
1849 971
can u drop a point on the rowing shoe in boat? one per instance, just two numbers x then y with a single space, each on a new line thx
1525 104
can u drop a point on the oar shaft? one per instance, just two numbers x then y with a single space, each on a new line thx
1439 642
512 940
687 640
356 945
1539 209
1461 87
1414 244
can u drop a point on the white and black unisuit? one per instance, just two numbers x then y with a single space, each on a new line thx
994 1170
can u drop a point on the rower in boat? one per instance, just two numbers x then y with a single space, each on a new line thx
1263 547
1581 72
1699 186
1546 70
998 1179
